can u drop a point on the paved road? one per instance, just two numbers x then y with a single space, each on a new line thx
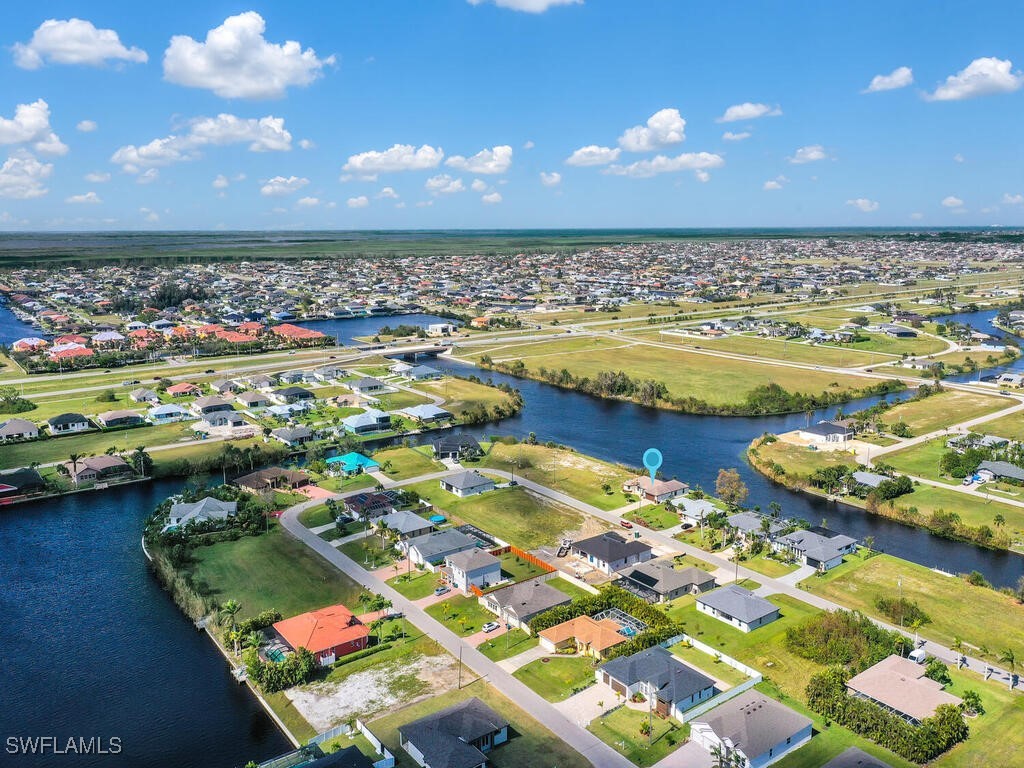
584 742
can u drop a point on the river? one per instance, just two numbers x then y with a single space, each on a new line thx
94 648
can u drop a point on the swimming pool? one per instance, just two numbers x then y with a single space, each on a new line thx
628 632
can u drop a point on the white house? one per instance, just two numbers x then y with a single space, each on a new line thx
754 727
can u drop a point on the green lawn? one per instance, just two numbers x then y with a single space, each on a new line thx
789 351
981 617
581 477
717 380
316 516
556 678
369 552
531 744
290 716
508 645
802 461
343 484
515 568
513 514
657 516
461 396
1000 725
270 572
620 729
59 448
973 510
416 584
406 463
943 410
401 399
702 661
768 566
1010 427
568 587
462 614
921 460
763 649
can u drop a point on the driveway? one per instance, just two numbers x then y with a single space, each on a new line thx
478 637
801 573
584 706
513 663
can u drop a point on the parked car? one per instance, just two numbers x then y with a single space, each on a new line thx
129 382
490 626
209 370
442 591
625 523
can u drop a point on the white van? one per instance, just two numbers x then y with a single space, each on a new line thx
918 656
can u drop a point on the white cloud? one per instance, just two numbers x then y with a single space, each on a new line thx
552 179
900 77
22 176
358 202
487 161
981 77
741 136
688 161
443 184
1009 199
86 126
88 197
307 144
664 128
748 111
958 158
148 176
864 205
73 41
478 185
492 198
31 125
808 154
307 202
221 182
387 193
952 201
771 185
702 175
424 203
400 157
282 185
528 145
265 134
97 177
593 155
149 214
528 6
236 61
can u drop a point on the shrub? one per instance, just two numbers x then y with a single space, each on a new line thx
845 638
902 610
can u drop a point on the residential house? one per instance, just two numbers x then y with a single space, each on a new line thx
960 443
225 386
656 674
253 401
366 506
757 727
17 429
207 508
609 552
23 481
472 567
456 447
468 483
516 604
404 523
738 607
825 432
694 511
1000 470
430 550
422 373
352 463
184 389
109 419
656 491
367 386
459 736
204 406
219 419
658 581
820 548
68 424
293 395
860 480
370 420
271 479
440 329
143 395
94 469
293 436
326 373
584 634
750 526
426 412
900 686
328 633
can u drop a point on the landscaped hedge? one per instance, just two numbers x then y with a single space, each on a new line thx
361 654
826 694
258 622
610 596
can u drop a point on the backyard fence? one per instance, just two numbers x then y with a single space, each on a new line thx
532 559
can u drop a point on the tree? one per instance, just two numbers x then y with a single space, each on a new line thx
999 521
229 614
869 544
141 461
254 640
730 487
957 646
776 509
1009 658
972 703
73 459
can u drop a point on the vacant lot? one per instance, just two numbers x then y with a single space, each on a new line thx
581 477
462 614
403 463
513 514
977 615
943 410
461 395
802 461
1010 427
796 351
973 510
59 448
620 729
270 572
716 380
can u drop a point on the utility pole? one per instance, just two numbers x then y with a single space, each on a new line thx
460 667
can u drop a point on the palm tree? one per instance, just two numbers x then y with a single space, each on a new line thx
1009 658
228 613
916 625
254 640
957 647
73 459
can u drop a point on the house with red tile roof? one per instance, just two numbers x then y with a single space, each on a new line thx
327 633
184 389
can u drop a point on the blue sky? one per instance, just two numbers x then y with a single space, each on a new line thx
470 113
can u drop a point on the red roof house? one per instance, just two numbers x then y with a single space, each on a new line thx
327 633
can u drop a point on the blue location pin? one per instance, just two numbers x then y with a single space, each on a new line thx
652 460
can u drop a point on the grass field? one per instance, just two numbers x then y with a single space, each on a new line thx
802 461
462 614
515 568
59 448
316 516
1004 712
973 510
507 645
369 552
1010 427
556 678
656 517
943 410
620 729
272 571
416 584
789 351
461 395
406 463
568 587
531 744
768 566
401 399
716 380
707 664
921 460
513 514
977 615
573 473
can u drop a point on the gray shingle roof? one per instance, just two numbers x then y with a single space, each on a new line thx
739 603
674 680
441 542
443 737
663 578
755 723
610 547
